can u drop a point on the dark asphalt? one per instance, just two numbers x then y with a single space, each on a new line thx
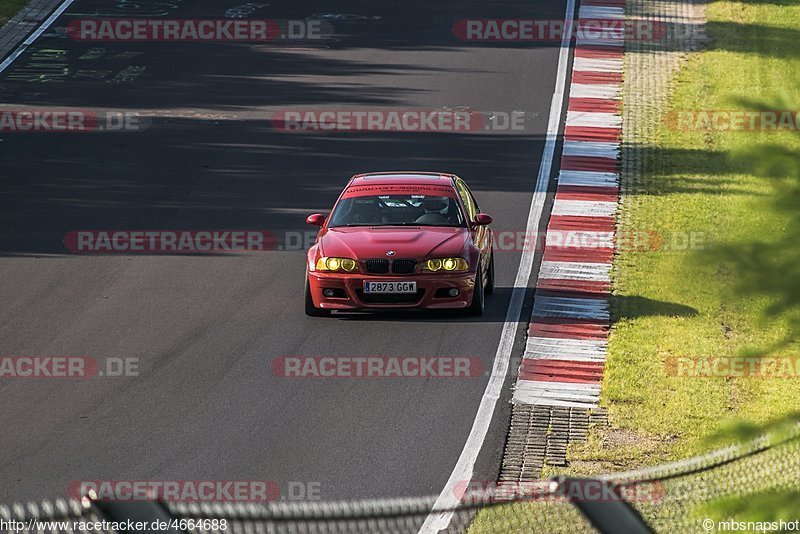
205 328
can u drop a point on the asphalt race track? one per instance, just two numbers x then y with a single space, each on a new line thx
206 328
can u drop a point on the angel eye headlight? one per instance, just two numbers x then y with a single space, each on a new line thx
336 264
448 264
433 265
461 264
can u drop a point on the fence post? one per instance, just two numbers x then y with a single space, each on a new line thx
607 515
141 511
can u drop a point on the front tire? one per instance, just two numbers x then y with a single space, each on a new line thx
490 276
311 310
476 308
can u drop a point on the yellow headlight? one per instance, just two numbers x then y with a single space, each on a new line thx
448 264
434 265
336 264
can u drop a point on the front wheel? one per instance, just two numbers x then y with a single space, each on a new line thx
490 276
476 308
311 310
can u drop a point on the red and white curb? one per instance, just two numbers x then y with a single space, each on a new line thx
565 351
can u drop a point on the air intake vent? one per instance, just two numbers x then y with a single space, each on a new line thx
377 266
403 266
400 298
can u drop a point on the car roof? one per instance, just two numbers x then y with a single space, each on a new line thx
403 178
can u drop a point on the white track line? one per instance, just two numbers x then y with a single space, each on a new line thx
584 41
578 239
569 394
584 208
595 90
598 13
591 148
556 348
589 178
442 513
35 35
594 118
571 307
597 65
573 270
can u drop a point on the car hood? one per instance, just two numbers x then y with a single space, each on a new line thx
407 242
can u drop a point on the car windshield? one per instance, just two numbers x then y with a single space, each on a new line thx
397 210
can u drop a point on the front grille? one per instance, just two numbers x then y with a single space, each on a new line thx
403 266
377 266
390 298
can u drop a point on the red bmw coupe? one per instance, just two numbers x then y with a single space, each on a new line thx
401 240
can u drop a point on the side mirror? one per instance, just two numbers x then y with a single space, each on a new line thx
482 219
316 219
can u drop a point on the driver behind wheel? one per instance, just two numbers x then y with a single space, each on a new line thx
434 208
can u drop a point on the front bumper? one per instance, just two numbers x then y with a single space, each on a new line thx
351 296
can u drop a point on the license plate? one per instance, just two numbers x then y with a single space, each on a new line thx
390 287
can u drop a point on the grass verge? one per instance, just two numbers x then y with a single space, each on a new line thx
724 284
9 8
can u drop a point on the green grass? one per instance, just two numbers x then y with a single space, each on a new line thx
9 8
739 294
